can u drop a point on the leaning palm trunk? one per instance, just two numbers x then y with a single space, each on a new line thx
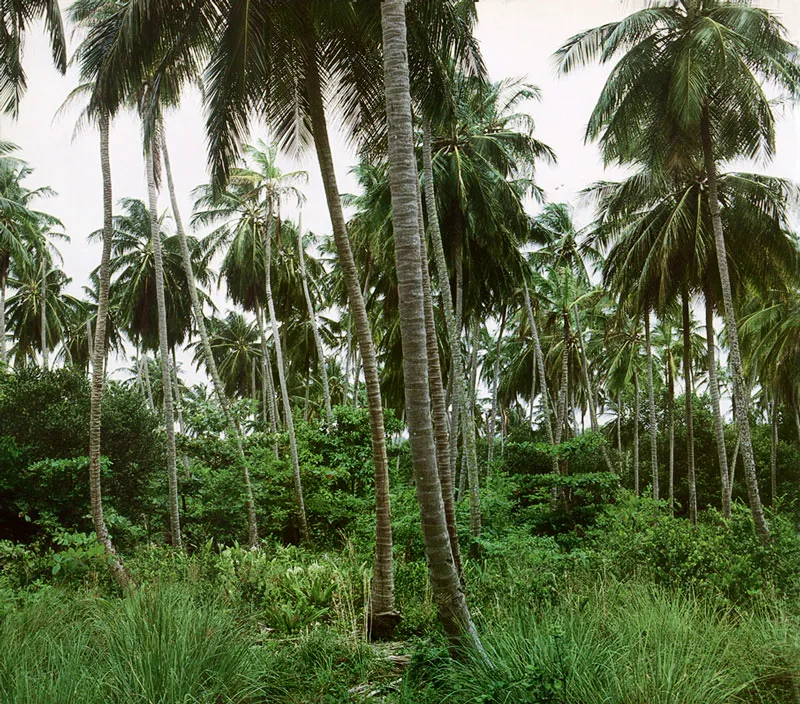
651 404
118 570
452 322
208 357
453 612
735 358
43 313
169 418
441 428
713 388
382 595
688 391
287 408
471 457
144 366
312 315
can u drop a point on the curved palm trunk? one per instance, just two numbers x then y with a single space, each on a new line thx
267 386
208 357
713 388
118 570
453 612
688 391
651 403
287 408
473 479
452 322
382 596
169 417
43 313
636 432
312 315
735 357
441 428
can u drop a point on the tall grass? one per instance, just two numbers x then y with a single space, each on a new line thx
624 645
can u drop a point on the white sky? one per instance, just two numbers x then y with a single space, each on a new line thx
518 38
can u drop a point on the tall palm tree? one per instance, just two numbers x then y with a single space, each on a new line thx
15 20
690 84
453 611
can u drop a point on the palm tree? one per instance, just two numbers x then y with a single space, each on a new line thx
453 611
235 345
15 20
690 85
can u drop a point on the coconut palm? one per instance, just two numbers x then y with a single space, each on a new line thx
690 85
15 20
453 611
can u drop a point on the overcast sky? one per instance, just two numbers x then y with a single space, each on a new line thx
518 38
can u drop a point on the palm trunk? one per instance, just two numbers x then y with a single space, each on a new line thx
592 398
773 455
453 611
441 429
267 386
468 417
163 343
495 382
735 357
312 315
382 596
145 367
455 420
3 350
89 345
671 411
118 570
43 313
563 393
211 365
651 403
688 391
713 388
452 322
287 408
636 432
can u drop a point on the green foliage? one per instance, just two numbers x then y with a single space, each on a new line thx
44 417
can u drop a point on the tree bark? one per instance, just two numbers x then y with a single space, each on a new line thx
734 356
163 343
688 391
713 389
118 570
287 408
452 322
382 595
441 429
651 404
208 357
453 611
312 315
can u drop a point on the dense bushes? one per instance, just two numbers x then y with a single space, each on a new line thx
44 416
